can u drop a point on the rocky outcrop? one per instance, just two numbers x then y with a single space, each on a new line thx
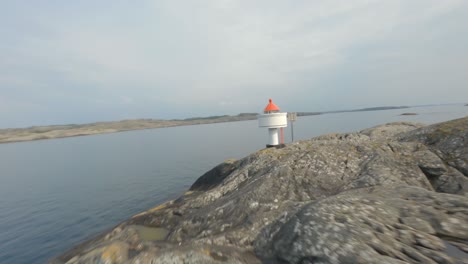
396 193
375 225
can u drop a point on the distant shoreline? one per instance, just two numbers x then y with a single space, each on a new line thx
12 135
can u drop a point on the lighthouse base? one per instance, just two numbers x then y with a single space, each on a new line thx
276 146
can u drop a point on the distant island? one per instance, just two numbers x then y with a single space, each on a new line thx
369 109
60 131
73 130
380 108
308 113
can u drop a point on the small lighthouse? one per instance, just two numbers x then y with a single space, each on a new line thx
274 121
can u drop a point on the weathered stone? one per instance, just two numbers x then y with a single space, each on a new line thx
314 231
430 163
388 194
215 176
197 255
115 253
447 140
418 224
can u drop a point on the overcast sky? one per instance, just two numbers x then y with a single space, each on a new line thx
85 61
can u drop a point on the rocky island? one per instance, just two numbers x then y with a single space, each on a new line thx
395 193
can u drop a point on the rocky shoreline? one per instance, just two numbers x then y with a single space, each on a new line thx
396 193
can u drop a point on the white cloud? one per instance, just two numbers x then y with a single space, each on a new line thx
220 53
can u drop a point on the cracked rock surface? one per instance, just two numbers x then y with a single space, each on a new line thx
396 193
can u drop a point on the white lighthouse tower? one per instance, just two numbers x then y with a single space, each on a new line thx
274 121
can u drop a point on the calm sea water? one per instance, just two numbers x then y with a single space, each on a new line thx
57 193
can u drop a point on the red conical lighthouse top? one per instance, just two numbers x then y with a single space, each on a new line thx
271 107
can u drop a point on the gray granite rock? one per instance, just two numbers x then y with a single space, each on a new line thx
447 140
372 225
395 193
